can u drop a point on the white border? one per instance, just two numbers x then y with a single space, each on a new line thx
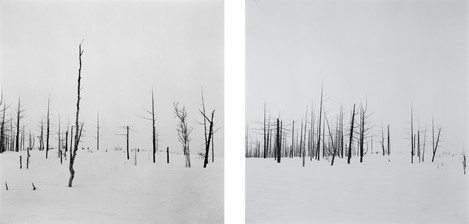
234 111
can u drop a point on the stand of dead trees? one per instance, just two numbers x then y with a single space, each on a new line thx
323 136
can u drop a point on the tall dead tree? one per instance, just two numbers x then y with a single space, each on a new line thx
435 144
2 125
47 127
77 124
183 131
41 138
334 150
19 116
153 125
209 137
208 133
362 129
349 154
265 134
389 141
31 146
127 141
412 134
303 152
382 140
277 142
319 125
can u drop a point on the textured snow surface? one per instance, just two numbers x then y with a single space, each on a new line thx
376 191
108 188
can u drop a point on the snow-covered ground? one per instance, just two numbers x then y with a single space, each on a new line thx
380 190
108 188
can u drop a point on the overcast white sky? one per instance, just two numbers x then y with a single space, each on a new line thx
176 47
390 52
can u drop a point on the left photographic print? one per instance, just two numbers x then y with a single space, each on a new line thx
111 111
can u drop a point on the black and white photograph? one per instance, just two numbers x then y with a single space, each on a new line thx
112 111
356 111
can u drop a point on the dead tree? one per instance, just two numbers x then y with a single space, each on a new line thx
31 146
183 131
334 150
412 134
265 134
319 125
351 135
435 145
362 129
2 125
464 159
304 141
382 140
127 141
209 137
77 124
278 144
167 154
19 116
389 141
41 138
47 127
208 134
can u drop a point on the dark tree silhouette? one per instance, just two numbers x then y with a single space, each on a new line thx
47 127
349 154
78 130
19 116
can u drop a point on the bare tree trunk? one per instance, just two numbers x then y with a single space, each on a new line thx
167 154
351 135
319 125
127 141
2 129
424 143
47 127
389 141
18 117
66 144
279 146
77 125
210 133
436 144
153 125
412 134
265 134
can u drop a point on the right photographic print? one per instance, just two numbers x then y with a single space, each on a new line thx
356 111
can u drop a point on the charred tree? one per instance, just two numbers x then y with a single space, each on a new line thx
349 154
19 116
412 134
77 124
278 143
47 127
319 125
